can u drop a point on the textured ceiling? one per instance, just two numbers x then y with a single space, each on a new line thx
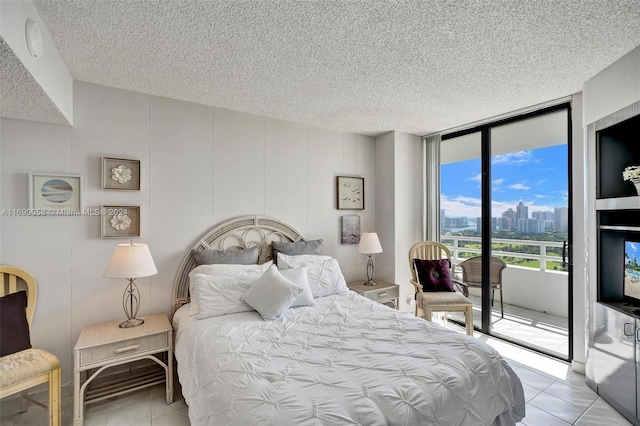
20 95
360 66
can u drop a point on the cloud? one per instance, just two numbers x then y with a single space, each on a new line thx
476 178
513 158
520 187
498 182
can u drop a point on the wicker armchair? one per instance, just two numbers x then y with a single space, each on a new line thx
440 301
25 369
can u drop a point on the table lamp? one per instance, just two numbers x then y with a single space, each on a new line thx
131 261
369 244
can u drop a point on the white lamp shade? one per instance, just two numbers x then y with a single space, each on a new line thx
130 261
369 243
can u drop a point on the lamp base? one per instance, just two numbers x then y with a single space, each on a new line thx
370 282
133 322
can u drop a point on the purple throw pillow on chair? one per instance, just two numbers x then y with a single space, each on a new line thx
434 275
14 328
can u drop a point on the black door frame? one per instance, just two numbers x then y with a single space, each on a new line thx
485 159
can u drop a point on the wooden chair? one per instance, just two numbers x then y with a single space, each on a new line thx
25 369
472 276
440 301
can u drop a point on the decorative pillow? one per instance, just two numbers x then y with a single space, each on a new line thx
243 272
299 278
14 328
218 295
299 247
323 272
233 255
434 275
272 294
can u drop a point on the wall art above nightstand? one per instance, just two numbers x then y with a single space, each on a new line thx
120 174
119 221
350 193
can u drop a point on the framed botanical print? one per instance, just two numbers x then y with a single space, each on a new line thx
350 193
120 221
120 174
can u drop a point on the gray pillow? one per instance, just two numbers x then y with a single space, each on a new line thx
233 255
294 249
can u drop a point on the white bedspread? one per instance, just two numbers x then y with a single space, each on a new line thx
346 360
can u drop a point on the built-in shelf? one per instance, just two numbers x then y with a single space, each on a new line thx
622 203
620 228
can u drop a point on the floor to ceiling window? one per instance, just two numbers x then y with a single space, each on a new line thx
504 205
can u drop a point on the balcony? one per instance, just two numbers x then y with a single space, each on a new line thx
535 296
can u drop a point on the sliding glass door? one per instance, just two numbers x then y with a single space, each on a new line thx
504 199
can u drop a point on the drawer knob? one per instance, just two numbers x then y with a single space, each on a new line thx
383 294
127 349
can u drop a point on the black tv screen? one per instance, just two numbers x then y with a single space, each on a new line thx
631 285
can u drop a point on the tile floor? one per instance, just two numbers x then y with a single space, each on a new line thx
548 333
554 394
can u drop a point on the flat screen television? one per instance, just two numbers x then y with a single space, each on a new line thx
631 286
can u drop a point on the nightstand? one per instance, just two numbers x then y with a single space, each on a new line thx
384 292
107 345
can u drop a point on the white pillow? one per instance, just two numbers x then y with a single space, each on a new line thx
222 294
223 269
323 272
272 294
299 278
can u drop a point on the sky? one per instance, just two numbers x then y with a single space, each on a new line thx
536 177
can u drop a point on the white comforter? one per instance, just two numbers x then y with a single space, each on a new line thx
345 360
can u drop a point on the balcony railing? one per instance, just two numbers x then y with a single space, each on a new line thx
461 249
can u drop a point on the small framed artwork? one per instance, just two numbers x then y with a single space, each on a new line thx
120 174
52 193
350 233
350 192
119 221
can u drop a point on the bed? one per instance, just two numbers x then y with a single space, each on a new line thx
342 360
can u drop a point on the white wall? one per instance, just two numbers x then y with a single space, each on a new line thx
614 88
399 191
200 166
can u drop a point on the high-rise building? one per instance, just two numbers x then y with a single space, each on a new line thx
522 212
561 218
530 226
508 220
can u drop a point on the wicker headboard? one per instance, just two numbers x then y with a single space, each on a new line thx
246 232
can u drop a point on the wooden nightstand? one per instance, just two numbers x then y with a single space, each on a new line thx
106 345
383 292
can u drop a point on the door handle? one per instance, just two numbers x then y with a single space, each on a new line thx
625 329
638 334
564 254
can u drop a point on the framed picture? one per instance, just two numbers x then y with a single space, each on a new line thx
54 193
119 221
350 192
350 232
120 174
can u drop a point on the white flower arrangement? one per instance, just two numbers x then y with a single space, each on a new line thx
631 173
121 174
120 222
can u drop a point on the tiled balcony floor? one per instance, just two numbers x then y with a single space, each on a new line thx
539 330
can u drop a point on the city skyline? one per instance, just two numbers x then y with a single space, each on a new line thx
538 178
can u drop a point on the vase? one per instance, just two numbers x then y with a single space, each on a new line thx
636 183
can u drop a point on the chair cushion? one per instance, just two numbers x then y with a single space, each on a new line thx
443 298
434 275
24 365
14 328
